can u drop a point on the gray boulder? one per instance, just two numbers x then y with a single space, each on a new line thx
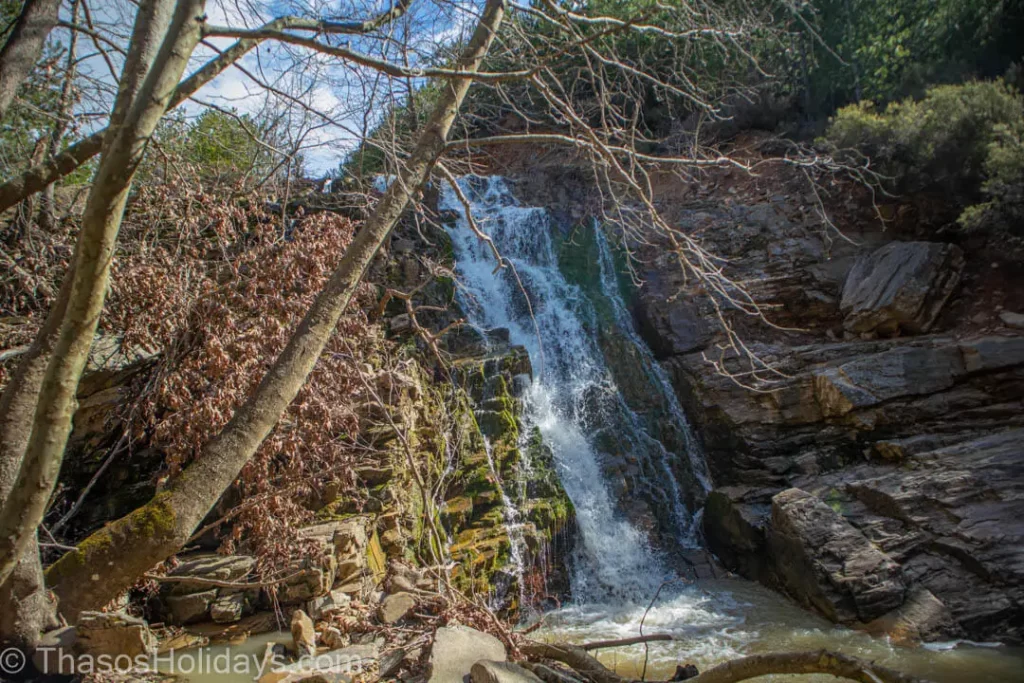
900 287
456 649
824 562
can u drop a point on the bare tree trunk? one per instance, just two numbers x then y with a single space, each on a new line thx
47 208
137 111
24 46
112 559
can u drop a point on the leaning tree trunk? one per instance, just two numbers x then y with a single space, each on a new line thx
25 606
24 46
112 559
137 111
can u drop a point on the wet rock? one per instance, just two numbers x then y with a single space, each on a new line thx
685 672
900 287
677 326
736 530
486 671
826 563
922 617
101 633
395 607
456 649
1011 319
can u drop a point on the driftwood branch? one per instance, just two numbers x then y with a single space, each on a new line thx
624 642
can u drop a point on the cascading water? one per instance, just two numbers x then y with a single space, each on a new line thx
586 419
573 395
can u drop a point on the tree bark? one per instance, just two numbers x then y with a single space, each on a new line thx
143 96
24 46
112 559
25 605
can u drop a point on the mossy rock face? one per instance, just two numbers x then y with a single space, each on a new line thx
496 456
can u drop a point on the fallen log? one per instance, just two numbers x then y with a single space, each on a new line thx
813 662
574 657
744 668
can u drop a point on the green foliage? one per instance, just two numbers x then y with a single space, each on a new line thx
964 141
886 49
29 119
1003 188
939 143
220 147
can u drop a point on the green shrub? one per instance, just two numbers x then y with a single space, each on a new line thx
940 143
1003 188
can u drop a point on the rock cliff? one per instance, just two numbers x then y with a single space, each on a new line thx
880 466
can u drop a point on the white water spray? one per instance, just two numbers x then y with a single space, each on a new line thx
574 395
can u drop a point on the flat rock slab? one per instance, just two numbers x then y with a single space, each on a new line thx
487 671
456 649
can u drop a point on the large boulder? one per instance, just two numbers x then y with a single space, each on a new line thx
102 633
900 287
456 649
824 562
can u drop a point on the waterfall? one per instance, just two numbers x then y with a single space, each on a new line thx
574 400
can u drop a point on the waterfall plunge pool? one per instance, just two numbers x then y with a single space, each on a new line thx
716 620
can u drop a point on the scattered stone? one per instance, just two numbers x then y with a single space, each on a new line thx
395 607
228 608
101 633
456 649
188 609
335 601
333 638
486 671
1011 319
303 634
826 563
685 672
